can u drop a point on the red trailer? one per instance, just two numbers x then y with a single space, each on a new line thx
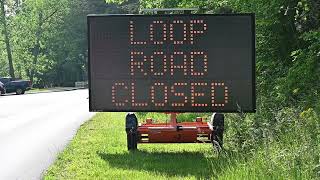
197 131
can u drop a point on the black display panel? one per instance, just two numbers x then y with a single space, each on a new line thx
172 63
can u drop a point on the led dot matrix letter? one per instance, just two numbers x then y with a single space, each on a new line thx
174 63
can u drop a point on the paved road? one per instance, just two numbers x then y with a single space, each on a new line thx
35 127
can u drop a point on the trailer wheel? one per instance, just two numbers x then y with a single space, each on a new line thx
216 146
131 130
132 140
217 122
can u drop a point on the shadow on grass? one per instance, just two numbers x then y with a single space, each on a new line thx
169 163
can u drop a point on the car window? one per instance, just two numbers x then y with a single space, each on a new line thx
8 83
4 80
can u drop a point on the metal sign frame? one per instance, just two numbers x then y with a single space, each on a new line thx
252 15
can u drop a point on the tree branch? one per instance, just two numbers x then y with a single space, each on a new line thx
48 17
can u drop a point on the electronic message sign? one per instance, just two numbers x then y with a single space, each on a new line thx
172 63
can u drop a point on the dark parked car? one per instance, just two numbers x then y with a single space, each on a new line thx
13 85
2 90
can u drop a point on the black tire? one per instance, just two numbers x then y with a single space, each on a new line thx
132 140
4 91
218 129
131 130
19 91
216 146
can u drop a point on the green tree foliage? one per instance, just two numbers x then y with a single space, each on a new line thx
6 33
33 26
45 41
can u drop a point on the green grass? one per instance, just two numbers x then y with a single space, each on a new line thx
98 151
33 90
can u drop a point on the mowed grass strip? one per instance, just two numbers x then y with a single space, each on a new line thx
99 151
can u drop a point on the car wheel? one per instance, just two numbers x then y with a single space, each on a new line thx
19 91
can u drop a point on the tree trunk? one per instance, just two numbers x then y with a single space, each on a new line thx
7 39
36 50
